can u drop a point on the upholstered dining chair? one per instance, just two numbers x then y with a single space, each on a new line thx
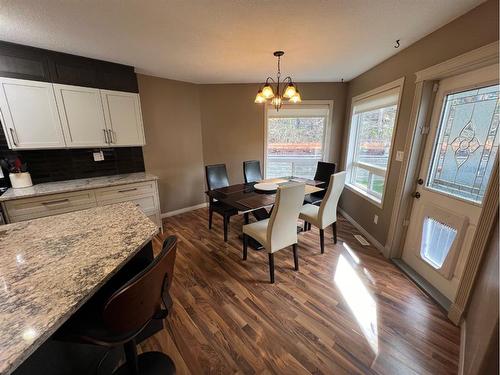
325 214
280 230
323 172
251 171
216 175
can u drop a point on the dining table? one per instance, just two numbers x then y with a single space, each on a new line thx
246 199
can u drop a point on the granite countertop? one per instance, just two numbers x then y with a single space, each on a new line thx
76 185
50 266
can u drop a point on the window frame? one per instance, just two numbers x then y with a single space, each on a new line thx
304 103
352 135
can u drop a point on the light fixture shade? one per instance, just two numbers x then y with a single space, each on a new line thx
260 98
267 91
296 98
290 91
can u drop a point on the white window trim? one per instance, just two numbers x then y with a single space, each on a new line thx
326 137
399 83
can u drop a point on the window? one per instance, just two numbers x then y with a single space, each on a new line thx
467 143
296 139
373 117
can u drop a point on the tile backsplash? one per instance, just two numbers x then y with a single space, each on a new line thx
68 164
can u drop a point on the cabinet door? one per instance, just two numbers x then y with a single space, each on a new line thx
29 114
122 111
82 116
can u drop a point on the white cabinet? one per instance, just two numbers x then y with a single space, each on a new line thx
82 116
29 114
122 111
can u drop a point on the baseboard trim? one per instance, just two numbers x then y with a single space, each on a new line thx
363 231
183 210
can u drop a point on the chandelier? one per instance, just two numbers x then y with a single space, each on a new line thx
284 89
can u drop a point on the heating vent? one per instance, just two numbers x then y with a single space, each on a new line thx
361 239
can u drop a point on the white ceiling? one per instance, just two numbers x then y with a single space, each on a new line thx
216 41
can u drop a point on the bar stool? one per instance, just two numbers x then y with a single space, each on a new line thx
117 319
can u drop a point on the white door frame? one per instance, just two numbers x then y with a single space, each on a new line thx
419 126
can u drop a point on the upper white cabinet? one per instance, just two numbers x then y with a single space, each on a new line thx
40 115
30 118
82 116
122 111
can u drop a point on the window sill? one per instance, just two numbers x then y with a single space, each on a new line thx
373 200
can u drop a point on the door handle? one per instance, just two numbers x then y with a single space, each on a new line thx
105 136
14 137
416 195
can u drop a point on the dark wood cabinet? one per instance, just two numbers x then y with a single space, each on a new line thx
25 62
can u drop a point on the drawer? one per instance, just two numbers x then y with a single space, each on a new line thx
32 208
122 192
146 203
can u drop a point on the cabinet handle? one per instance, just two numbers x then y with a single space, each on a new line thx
105 136
127 190
14 137
59 201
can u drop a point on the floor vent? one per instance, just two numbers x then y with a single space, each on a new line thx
361 239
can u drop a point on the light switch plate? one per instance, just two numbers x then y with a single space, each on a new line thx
375 219
400 155
98 156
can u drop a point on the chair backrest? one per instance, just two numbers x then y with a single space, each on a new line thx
282 228
216 175
251 171
323 172
133 305
328 208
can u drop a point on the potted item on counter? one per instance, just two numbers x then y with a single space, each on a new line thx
18 172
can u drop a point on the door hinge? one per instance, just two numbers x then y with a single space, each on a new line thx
424 130
435 87
406 223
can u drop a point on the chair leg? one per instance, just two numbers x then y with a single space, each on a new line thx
245 246
334 228
210 214
246 217
226 227
131 357
322 240
308 226
295 257
271 267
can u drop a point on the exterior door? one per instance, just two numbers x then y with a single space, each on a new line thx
122 111
460 152
29 114
82 116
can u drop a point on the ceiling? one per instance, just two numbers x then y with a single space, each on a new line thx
228 41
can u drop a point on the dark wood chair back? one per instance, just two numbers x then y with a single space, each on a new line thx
137 302
323 172
216 175
251 171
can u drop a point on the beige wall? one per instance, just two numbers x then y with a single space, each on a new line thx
173 151
233 125
472 30
481 339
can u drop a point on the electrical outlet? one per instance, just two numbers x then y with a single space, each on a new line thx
400 155
98 156
375 219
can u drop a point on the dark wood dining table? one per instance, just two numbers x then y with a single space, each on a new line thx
246 199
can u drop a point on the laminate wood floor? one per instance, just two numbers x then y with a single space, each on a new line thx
348 311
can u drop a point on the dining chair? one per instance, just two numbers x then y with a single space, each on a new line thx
326 213
216 176
280 230
251 171
323 172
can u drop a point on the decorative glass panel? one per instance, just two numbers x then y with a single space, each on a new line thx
437 239
467 143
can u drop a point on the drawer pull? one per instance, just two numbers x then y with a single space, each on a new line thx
59 201
127 190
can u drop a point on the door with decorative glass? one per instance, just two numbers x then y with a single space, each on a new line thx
458 158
